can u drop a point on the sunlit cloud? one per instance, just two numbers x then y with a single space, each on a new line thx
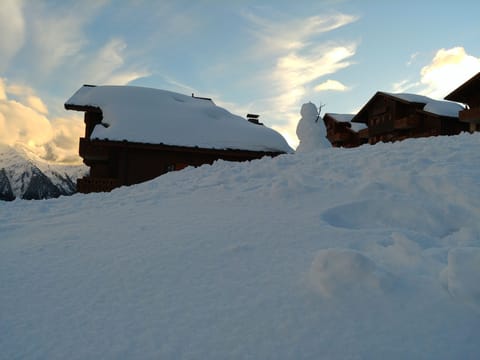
23 120
331 85
12 30
300 61
448 69
278 36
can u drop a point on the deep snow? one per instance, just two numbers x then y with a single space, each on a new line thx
364 253
156 116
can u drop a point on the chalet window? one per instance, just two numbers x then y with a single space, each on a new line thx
170 167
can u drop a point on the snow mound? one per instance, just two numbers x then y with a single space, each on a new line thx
461 276
342 272
310 131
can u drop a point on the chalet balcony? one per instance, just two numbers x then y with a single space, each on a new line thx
470 115
408 122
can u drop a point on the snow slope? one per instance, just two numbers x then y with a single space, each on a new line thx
365 253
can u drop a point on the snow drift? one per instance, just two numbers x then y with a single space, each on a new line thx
365 253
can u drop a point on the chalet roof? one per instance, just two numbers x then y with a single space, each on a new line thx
431 106
461 93
346 118
155 116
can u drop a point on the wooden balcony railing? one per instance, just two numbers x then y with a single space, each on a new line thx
87 184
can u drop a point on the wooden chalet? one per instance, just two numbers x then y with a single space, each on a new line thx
342 133
469 93
393 117
135 134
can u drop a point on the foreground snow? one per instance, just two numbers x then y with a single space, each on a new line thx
366 253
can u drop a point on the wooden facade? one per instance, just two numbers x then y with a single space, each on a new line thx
117 163
469 93
392 118
340 132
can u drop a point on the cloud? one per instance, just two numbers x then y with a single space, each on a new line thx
12 30
57 31
293 34
330 85
23 121
300 59
448 70
108 66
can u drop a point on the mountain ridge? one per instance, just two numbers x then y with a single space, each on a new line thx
24 175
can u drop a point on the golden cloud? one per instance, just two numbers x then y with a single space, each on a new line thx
448 70
330 85
23 121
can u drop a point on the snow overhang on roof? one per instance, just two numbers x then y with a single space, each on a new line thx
435 107
155 116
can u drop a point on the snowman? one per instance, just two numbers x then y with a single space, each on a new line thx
311 130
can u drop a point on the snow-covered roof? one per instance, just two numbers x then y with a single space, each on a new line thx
155 116
347 118
437 107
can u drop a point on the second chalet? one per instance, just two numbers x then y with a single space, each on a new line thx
134 134
394 117
469 93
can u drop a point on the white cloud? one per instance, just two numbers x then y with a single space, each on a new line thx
448 69
280 36
404 86
108 66
23 121
12 30
57 31
300 59
330 85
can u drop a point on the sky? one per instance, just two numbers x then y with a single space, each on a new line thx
264 57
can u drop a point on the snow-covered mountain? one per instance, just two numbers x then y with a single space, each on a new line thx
24 175
364 253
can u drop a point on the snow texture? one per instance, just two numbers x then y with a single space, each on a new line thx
311 130
155 116
364 253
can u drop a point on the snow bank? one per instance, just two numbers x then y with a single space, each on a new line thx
158 116
310 131
330 254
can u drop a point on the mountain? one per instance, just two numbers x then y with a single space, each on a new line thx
24 175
